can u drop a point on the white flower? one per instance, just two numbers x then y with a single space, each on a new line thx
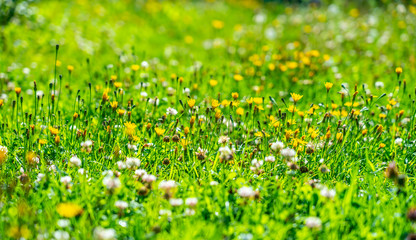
121 204
61 235
313 222
75 161
171 111
186 91
63 223
398 141
149 178
139 173
246 192
86 144
270 159
167 185
379 85
132 147
223 139
143 94
145 64
121 165
111 182
328 193
189 212
132 162
277 146
171 91
288 153
213 183
175 202
225 153
191 202
104 234
66 180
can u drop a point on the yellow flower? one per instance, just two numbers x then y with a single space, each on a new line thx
238 77
121 112
130 128
240 111
114 104
191 103
70 68
159 131
258 100
69 210
382 115
21 232
217 113
399 70
135 67
54 131
18 90
43 141
213 82
234 95
292 109
392 102
3 154
328 85
217 24
296 97
186 130
113 77
261 134
382 145
339 136
225 103
214 103
292 65
58 63
117 84
250 100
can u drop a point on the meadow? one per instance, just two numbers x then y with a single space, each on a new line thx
232 119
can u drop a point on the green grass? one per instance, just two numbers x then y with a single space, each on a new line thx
124 65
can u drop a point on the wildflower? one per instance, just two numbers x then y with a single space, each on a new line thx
292 109
328 86
135 67
398 141
313 222
240 111
328 193
223 139
176 202
167 185
159 131
191 202
399 70
3 154
288 153
104 234
296 97
75 161
69 210
130 127
213 82
217 24
149 178
277 146
391 171
238 77
66 180
246 192
171 111
132 162
111 182
54 131
70 68
225 153
270 159
234 95
121 204
191 103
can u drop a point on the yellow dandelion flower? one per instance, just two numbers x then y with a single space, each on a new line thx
238 77
159 131
191 103
69 210
296 97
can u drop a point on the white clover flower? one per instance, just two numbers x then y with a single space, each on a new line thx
75 161
149 178
171 111
66 180
398 141
277 146
63 223
143 94
121 165
189 212
121 204
61 235
246 192
328 193
111 182
191 202
288 153
144 64
176 202
223 139
213 183
104 234
132 162
167 185
186 91
139 173
171 91
379 85
86 144
313 222
270 159
225 153
132 147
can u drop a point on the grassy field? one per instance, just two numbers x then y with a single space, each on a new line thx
212 119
